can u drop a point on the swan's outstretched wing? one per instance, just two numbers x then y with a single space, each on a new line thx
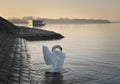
47 55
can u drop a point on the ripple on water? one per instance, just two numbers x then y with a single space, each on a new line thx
65 71
52 79
70 74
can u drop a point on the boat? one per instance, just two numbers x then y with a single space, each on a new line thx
35 23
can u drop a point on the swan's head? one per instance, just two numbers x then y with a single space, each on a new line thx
56 47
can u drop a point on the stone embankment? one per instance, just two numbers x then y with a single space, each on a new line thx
15 66
33 34
14 60
27 33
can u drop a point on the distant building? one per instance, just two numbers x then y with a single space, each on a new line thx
35 23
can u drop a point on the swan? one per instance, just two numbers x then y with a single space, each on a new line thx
55 57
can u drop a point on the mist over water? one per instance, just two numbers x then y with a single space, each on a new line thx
92 54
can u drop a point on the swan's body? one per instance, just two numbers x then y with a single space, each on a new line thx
54 58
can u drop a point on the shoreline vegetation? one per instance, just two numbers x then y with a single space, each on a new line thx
24 20
27 33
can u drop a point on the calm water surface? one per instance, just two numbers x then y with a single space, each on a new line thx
92 54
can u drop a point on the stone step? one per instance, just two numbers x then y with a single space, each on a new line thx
14 61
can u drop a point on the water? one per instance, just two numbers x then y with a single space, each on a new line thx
92 54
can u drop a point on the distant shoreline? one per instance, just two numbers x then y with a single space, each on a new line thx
60 21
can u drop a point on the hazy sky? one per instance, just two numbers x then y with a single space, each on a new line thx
96 9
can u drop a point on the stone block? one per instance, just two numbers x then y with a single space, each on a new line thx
24 82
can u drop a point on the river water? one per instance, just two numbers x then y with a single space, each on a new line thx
92 54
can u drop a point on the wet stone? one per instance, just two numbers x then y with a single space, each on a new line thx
17 62
15 67
15 74
15 71
7 71
3 74
15 79
25 79
3 82
24 82
24 75
6 66
4 77
32 72
25 72
14 82
25 69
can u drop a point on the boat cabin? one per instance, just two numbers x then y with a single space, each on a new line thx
36 23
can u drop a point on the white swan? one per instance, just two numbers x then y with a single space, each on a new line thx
54 58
